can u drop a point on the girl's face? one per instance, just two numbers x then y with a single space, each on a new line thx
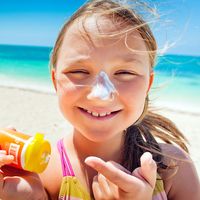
81 57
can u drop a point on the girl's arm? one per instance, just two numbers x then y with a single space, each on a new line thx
184 183
52 176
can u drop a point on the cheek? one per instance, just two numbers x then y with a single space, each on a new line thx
134 101
67 97
133 96
135 91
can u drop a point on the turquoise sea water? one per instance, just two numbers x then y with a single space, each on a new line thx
176 85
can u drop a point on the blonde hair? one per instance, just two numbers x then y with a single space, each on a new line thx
110 9
140 136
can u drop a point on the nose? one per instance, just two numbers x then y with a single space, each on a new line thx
102 88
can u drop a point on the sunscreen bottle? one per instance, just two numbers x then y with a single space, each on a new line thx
31 153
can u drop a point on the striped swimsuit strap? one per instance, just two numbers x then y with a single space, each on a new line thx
66 165
71 188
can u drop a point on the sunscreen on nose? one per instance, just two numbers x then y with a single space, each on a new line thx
102 88
30 153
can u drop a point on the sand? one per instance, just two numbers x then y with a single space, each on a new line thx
31 112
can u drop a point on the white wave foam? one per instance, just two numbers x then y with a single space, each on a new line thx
42 87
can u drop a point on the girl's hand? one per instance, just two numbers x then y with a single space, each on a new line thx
115 182
5 159
18 184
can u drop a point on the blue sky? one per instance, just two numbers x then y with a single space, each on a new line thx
37 22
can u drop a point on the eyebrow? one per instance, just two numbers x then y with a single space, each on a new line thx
127 58
130 58
78 59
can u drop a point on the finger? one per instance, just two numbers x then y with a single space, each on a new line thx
137 173
15 187
3 152
115 175
109 189
114 190
1 184
96 189
105 188
117 165
113 187
148 168
6 159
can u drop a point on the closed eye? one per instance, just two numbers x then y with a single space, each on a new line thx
78 72
125 73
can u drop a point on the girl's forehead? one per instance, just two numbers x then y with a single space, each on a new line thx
91 35
99 31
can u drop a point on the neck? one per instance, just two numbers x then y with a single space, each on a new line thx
107 150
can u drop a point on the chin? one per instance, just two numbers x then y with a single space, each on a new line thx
100 136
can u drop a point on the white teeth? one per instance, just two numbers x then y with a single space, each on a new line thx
95 114
102 114
88 111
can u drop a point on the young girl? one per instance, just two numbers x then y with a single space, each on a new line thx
102 70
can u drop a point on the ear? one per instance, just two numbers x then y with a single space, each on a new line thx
151 78
53 78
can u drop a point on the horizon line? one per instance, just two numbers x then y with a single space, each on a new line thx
45 46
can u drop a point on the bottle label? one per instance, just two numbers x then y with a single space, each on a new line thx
13 142
14 150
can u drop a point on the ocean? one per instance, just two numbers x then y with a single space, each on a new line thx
176 85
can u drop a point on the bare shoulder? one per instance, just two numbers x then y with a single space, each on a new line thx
181 181
52 176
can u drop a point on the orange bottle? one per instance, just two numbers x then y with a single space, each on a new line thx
30 153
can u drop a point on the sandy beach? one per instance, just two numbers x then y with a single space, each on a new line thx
31 112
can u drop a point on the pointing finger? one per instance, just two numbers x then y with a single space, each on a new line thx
112 173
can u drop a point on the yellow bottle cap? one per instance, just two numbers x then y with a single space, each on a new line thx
37 154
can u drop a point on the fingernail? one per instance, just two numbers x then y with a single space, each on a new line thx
89 162
147 157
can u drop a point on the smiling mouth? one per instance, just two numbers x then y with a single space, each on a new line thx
96 115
